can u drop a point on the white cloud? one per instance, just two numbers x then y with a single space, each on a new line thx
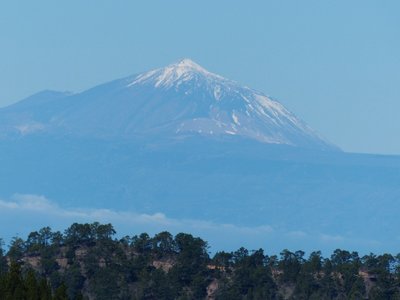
31 202
41 205
41 210
331 238
298 234
24 213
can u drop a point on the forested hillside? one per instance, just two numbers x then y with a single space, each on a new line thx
86 261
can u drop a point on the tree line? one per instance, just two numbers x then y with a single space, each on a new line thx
87 261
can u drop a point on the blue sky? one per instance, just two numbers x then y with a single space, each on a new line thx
336 64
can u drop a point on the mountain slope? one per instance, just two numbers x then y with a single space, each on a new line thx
179 100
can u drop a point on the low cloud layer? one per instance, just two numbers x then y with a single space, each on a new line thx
24 213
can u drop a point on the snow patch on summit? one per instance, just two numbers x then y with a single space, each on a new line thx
175 74
29 128
235 119
217 92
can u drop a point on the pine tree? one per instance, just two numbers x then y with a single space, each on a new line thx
32 286
14 285
44 290
61 293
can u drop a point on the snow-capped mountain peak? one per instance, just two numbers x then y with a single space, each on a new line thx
186 64
180 100
175 74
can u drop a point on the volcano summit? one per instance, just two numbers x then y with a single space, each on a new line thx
180 100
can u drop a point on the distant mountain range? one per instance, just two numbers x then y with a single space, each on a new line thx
193 145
